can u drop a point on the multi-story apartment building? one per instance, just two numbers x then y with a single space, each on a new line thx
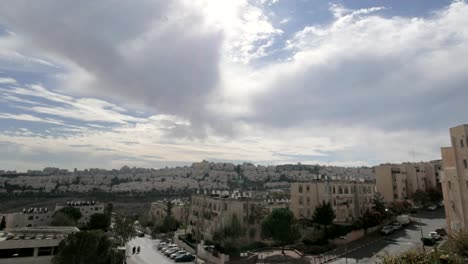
349 199
210 214
454 179
31 217
158 210
87 208
398 182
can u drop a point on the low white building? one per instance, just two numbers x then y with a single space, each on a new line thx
32 245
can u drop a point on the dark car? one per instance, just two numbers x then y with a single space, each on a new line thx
185 258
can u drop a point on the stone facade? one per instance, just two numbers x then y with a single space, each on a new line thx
454 179
350 200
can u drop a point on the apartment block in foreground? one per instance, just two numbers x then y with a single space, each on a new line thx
454 179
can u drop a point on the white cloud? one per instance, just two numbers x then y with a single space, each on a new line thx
7 81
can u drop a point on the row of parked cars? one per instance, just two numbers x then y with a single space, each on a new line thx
175 253
401 221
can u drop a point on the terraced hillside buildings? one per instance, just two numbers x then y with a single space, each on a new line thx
455 179
206 175
349 199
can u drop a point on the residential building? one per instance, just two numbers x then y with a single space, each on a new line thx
158 210
87 208
349 199
210 214
454 178
30 217
398 182
31 245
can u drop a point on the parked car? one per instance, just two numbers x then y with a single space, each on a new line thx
161 245
178 253
432 207
141 234
397 226
185 258
434 235
168 249
387 230
404 219
171 251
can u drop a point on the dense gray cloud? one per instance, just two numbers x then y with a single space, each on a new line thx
159 54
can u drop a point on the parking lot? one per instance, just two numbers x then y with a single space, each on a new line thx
148 252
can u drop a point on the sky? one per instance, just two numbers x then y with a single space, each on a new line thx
155 83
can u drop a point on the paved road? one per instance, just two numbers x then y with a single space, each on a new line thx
368 249
149 253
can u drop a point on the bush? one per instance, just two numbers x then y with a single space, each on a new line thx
428 241
337 230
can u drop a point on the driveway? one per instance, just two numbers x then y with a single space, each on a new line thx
149 254
368 250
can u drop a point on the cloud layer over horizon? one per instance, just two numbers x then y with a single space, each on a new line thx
161 83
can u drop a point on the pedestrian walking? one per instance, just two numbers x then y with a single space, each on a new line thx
138 250
133 250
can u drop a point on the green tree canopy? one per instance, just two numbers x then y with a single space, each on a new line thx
99 221
434 195
124 227
86 247
281 226
378 203
72 212
62 219
324 214
420 197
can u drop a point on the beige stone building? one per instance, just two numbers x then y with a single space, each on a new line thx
454 179
87 208
158 210
31 217
398 182
349 199
211 214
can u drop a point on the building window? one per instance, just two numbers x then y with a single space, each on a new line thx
301 200
333 189
308 200
465 164
300 188
462 143
44 251
307 188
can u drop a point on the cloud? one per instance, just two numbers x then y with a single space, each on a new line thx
156 54
387 73
7 81
25 117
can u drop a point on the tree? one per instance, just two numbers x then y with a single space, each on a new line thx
72 212
99 221
86 247
281 227
124 227
420 197
324 214
370 219
378 203
3 223
434 195
62 219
